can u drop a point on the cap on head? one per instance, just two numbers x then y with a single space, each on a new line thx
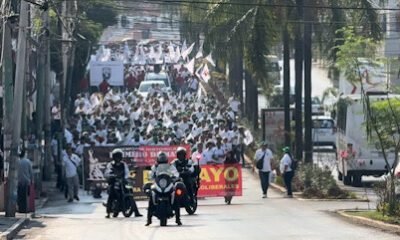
286 150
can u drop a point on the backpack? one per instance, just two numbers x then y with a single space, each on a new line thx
294 164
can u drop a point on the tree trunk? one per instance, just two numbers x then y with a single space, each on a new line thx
286 84
308 147
299 81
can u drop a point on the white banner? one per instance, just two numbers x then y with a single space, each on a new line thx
111 71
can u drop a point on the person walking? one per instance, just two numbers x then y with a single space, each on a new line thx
25 179
71 162
286 170
264 154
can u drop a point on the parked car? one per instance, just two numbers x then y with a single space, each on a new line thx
323 131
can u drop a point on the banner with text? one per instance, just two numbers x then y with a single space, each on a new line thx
221 180
137 159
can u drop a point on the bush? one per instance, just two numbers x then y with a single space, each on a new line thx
319 183
388 202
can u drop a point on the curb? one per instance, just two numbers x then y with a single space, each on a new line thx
14 229
370 223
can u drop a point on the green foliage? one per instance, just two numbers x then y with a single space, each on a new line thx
387 114
388 203
319 183
377 215
354 48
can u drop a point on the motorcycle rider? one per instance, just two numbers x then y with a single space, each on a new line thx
186 170
162 163
117 169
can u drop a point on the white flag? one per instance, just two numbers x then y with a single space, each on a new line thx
210 60
190 66
184 46
200 52
186 53
177 54
205 73
198 71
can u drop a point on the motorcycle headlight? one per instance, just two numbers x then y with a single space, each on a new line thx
163 183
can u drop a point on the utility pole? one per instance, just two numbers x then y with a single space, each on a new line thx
299 81
308 147
7 77
47 105
17 108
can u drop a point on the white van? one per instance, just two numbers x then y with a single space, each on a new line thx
351 129
323 131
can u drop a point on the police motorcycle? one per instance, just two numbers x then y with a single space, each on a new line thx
120 188
165 193
190 176
123 201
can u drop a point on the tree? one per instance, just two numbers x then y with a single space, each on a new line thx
237 33
382 118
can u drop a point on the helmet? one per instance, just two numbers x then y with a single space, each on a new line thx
162 157
117 154
180 150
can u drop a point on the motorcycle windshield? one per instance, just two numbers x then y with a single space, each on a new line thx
164 169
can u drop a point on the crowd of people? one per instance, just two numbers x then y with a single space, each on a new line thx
163 118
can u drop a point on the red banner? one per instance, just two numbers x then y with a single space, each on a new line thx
150 154
221 180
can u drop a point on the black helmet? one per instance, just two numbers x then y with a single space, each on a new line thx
162 157
180 150
117 154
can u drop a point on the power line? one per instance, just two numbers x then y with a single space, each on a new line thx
283 5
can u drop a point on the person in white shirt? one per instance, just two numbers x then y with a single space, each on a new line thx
286 170
71 162
197 156
264 154
207 153
218 153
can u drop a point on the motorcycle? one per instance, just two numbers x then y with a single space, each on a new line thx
123 201
163 194
190 200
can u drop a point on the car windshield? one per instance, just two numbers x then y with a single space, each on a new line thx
157 77
145 87
323 123
272 67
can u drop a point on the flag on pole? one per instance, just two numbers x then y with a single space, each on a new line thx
190 66
177 54
184 46
198 71
210 60
205 73
186 53
200 52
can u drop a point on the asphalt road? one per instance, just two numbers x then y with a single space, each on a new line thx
249 217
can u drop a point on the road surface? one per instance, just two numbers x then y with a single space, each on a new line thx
249 217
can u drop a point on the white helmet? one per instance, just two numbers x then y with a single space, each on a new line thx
117 152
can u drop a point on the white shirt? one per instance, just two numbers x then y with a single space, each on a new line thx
196 156
218 155
71 164
235 105
285 161
267 159
207 157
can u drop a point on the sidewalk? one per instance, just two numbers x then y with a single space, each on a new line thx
9 227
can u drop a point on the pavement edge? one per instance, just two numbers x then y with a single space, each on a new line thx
14 229
369 222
